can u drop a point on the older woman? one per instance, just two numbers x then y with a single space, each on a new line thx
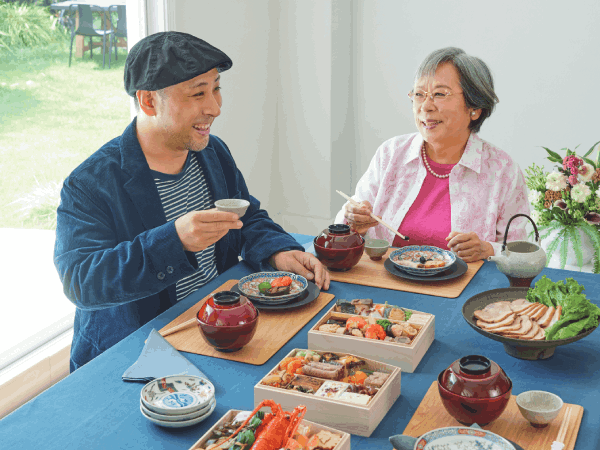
444 186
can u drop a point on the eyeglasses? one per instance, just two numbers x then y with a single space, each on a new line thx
419 96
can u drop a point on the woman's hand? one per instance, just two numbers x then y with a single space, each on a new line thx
468 246
358 216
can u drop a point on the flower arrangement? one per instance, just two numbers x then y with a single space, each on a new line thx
567 200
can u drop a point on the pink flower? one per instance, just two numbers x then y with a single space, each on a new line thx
573 180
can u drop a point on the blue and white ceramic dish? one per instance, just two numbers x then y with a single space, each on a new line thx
177 394
249 287
180 423
177 418
462 438
412 254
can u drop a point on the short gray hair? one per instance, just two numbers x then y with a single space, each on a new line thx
475 80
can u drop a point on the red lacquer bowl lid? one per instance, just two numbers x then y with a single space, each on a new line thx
475 376
338 237
227 309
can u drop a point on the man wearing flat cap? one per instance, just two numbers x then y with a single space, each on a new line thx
136 228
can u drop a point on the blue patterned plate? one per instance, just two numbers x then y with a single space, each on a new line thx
462 438
177 394
180 423
249 287
412 253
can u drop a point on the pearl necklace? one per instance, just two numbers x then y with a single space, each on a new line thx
428 167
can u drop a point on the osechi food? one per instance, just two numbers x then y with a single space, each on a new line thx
256 430
272 287
421 259
551 311
327 375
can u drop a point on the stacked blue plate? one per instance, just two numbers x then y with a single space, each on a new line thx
178 401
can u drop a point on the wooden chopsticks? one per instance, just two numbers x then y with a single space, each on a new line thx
178 327
373 216
564 426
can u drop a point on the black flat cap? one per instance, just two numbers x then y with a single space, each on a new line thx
167 58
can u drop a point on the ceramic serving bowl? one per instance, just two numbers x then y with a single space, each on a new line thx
249 287
227 321
415 252
180 423
376 248
474 389
539 407
234 205
338 248
178 418
177 394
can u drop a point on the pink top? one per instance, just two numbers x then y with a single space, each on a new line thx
433 202
486 189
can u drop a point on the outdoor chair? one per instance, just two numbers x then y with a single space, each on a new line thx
86 28
120 31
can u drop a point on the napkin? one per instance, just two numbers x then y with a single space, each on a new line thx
159 359
309 247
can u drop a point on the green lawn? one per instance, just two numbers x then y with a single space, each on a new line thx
52 117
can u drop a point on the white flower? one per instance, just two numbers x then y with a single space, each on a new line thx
589 170
556 181
598 192
536 216
534 196
580 192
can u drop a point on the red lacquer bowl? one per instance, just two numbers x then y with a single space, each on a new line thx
474 389
338 248
227 321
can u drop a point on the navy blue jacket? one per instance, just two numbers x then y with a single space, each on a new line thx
119 258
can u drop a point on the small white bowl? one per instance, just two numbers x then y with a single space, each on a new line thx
178 418
234 205
177 394
181 423
539 407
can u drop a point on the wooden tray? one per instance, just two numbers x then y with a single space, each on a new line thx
431 414
372 273
351 418
275 328
344 444
407 357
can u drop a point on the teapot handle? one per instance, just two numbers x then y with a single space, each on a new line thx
537 235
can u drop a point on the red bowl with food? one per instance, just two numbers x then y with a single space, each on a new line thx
474 389
339 248
227 321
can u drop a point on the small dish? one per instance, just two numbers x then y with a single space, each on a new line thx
249 287
234 205
376 248
462 437
178 418
539 407
177 394
415 254
181 423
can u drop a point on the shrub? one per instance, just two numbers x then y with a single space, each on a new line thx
23 25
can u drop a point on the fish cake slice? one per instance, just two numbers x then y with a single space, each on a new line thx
535 328
513 327
491 325
520 304
526 325
545 321
494 312
539 313
540 336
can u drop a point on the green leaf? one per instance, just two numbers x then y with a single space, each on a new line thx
554 157
553 245
592 232
564 248
576 239
592 148
589 161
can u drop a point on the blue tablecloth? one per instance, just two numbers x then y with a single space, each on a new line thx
94 409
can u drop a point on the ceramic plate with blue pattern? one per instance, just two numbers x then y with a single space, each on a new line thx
249 287
422 260
181 423
177 394
462 438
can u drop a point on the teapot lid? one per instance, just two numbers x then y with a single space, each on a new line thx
476 376
339 236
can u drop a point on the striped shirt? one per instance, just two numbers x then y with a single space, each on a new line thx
181 193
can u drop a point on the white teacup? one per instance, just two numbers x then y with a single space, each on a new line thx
234 205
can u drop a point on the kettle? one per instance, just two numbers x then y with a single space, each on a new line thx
520 261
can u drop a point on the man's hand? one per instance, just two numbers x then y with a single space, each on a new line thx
358 216
468 246
304 264
198 230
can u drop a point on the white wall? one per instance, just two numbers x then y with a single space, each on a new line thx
317 85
